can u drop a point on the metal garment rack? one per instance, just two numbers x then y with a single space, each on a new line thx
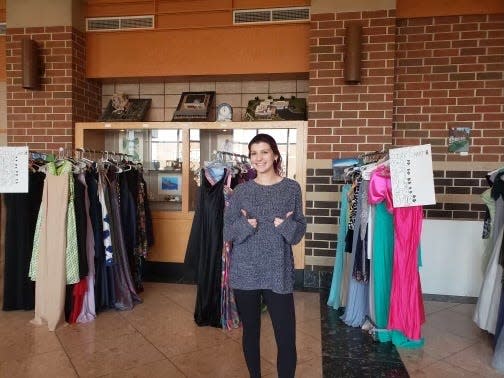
105 154
225 153
372 156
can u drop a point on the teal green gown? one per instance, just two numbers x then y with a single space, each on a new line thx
335 293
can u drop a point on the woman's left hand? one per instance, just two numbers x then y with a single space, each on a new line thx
279 221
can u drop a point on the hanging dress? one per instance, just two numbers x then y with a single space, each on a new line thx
380 194
498 357
358 291
406 303
204 252
106 239
88 312
487 308
486 311
229 311
125 293
128 222
54 260
21 217
78 290
335 293
383 244
144 231
101 287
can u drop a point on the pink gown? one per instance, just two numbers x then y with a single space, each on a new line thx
406 312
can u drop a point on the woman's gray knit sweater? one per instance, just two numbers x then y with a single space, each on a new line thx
261 257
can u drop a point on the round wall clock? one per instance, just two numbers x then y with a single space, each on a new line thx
224 112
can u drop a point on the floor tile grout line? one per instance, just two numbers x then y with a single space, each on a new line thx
444 359
196 350
92 341
155 347
461 350
180 354
439 310
68 356
460 367
172 300
226 333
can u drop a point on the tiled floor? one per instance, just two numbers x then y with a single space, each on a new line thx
159 339
454 345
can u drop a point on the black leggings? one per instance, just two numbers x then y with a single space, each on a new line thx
281 310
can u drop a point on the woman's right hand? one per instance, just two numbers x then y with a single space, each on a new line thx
251 221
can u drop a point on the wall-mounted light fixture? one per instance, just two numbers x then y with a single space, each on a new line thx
30 63
353 52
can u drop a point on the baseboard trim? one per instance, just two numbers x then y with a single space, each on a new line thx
449 298
178 273
167 272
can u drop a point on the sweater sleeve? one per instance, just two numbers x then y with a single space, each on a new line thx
293 228
236 227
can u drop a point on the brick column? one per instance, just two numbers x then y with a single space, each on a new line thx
44 118
450 74
344 119
86 94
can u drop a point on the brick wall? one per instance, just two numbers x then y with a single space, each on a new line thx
86 94
344 120
348 119
450 74
43 118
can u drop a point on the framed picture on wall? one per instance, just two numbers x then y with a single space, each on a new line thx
195 107
169 184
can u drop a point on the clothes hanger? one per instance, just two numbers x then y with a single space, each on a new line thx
494 171
113 162
218 162
60 160
81 158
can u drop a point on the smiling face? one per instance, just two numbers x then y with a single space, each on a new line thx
262 157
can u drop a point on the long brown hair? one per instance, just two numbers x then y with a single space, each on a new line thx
277 163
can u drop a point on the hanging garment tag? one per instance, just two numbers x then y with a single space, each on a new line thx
14 169
412 177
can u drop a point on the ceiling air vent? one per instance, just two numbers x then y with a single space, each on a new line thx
291 14
271 15
3 28
252 16
137 22
119 23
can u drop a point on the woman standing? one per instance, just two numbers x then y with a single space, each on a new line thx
264 219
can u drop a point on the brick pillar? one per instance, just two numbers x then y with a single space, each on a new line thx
344 119
44 118
450 74
86 94
348 119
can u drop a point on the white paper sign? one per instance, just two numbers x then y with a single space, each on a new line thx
412 177
13 169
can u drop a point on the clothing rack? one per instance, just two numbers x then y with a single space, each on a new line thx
225 153
371 157
44 155
34 155
104 153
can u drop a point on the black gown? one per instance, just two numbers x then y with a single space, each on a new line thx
204 252
21 219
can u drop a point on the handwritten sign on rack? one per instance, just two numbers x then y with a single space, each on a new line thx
412 177
14 169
